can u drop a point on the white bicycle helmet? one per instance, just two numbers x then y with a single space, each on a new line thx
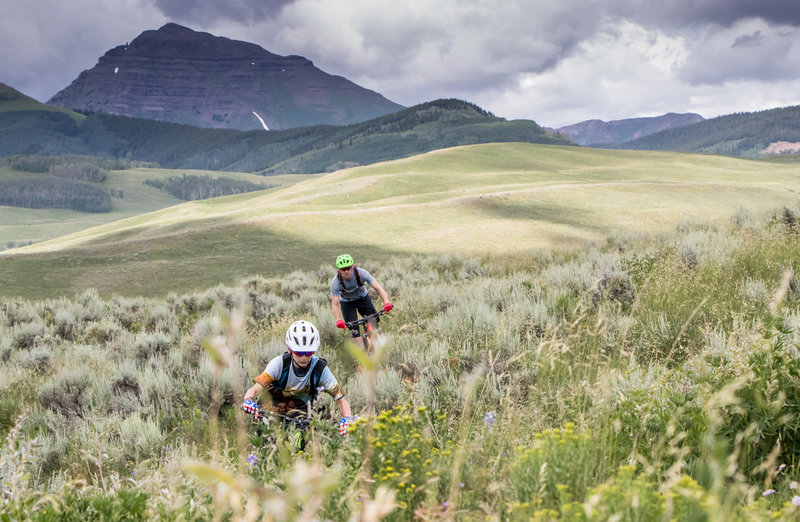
302 336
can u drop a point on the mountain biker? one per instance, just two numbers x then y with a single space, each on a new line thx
295 378
349 296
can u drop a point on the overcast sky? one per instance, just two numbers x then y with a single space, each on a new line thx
556 62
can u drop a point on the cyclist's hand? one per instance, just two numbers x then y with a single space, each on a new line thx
340 324
344 424
250 406
387 306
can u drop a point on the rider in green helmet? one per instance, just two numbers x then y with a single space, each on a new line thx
349 298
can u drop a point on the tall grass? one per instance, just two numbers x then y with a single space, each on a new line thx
657 379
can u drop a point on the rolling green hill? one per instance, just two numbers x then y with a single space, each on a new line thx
130 197
743 134
488 200
426 127
11 100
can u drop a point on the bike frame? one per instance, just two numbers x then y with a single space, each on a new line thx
369 323
299 422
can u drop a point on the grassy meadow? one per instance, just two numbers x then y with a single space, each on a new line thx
19 225
655 376
493 201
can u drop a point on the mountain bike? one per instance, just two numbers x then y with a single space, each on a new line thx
371 332
300 423
296 428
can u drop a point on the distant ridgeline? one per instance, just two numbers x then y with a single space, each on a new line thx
426 127
752 134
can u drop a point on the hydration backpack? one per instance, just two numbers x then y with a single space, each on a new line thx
316 375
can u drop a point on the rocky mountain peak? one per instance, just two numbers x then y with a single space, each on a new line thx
179 75
176 41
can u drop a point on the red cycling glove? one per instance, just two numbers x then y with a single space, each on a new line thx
388 306
340 324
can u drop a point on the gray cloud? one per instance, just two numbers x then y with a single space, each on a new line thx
210 11
555 62
718 12
749 40
750 50
403 51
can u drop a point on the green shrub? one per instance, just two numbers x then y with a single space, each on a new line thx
27 334
65 324
120 505
68 393
404 456
141 438
769 402
616 287
37 360
20 312
101 332
558 460
149 345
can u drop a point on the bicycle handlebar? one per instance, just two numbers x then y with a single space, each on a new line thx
364 320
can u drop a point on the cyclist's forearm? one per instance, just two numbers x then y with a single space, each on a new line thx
335 307
344 407
253 392
377 286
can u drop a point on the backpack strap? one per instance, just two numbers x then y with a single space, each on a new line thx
316 376
287 363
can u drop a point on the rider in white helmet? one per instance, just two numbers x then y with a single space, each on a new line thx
295 378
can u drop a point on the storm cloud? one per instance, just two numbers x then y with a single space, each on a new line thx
554 62
210 11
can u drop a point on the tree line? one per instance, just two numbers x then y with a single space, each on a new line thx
190 188
66 181
80 164
53 192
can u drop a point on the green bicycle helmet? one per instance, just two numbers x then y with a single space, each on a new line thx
344 260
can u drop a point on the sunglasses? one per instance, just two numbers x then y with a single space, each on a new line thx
346 269
303 354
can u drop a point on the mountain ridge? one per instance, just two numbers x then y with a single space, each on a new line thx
178 75
598 132
743 134
305 150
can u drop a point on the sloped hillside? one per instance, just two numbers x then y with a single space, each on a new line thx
434 125
501 200
747 134
598 132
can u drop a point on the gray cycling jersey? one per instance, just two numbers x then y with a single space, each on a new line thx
351 291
